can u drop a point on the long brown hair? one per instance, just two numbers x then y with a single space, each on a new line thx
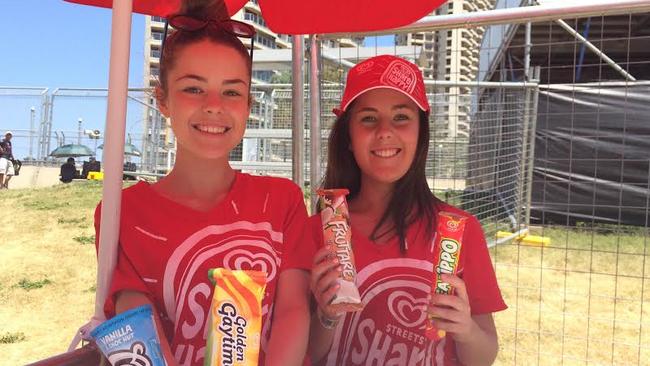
411 199
177 40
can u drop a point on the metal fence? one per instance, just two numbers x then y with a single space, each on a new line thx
23 111
582 297
479 154
489 161
77 116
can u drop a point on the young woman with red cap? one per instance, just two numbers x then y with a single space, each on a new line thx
377 150
203 214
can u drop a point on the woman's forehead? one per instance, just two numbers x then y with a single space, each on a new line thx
382 99
206 58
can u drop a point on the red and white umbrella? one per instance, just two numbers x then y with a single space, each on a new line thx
309 16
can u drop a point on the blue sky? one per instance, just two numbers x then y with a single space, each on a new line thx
54 43
380 41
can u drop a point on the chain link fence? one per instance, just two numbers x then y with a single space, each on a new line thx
579 293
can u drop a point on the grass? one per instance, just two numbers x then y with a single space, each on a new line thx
46 274
85 239
72 221
583 300
27 285
9 338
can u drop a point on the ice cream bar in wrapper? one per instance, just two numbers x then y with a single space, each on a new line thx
336 234
448 248
130 338
235 322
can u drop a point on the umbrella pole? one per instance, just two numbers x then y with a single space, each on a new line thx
314 114
118 78
298 111
113 150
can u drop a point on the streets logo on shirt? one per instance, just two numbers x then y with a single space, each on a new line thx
390 328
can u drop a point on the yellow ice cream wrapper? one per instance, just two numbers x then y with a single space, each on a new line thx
235 322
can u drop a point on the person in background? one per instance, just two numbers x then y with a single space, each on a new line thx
68 171
6 160
92 165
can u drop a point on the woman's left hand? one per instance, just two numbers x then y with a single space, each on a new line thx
452 313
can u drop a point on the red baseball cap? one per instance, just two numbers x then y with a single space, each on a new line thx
385 71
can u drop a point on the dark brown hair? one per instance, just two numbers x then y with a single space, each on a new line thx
177 40
411 199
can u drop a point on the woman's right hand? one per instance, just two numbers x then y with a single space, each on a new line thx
325 271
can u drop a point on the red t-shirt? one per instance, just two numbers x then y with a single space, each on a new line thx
166 249
394 288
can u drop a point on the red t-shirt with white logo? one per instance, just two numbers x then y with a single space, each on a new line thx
166 250
394 288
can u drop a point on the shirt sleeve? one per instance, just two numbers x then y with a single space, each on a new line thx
125 276
299 248
478 273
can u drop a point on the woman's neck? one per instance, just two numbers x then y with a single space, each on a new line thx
198 183
369 206
373 198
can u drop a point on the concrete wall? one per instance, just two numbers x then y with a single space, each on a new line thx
34 176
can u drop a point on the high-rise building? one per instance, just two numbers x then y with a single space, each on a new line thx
157 136
451 55
159 144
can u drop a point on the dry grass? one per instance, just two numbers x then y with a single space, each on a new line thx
584 300
47 282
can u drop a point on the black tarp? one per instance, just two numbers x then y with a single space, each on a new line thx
592 154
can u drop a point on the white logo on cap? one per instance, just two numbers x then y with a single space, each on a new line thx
400 75
365 67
